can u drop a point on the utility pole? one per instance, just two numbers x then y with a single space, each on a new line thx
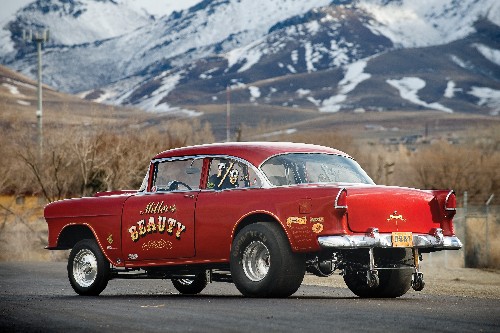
39 37
487 232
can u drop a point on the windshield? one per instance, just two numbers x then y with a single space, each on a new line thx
297 168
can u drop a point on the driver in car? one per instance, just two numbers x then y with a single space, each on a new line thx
226 177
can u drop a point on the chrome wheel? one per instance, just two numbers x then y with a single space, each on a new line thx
254 248
256 261
85 268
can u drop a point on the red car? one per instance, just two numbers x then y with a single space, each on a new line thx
259 215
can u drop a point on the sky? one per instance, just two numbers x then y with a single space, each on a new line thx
159 7
9 7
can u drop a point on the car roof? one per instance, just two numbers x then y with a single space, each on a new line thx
254 152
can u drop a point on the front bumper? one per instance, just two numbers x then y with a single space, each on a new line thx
435 240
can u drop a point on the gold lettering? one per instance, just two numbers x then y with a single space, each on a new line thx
180 228
158 207
148 209
142 228
133 233
171 225
151 227
161 224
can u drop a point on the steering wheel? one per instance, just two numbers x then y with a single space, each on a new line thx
174 185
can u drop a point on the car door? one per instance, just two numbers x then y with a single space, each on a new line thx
159 223
232 186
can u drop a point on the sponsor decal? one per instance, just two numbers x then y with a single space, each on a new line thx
317 219
295 220
133 256
110 239
317 228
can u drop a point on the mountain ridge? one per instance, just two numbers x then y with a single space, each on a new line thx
328 56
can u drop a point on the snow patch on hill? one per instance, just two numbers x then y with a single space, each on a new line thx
489 97
408 89
410 23
489 53
354 75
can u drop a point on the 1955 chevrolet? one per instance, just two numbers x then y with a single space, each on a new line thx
259 215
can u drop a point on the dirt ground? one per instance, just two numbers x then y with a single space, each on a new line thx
443 275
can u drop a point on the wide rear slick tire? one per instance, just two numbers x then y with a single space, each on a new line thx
263 264
191 286
88 269
392 282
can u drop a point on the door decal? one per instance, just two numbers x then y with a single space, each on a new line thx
157 224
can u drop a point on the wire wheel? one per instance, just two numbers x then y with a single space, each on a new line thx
256 261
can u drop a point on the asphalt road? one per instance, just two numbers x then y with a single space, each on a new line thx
36 297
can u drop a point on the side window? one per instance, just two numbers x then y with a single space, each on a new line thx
177 175
228 173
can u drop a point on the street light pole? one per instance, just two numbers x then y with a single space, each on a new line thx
39 38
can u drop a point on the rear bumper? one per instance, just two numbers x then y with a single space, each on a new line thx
436 240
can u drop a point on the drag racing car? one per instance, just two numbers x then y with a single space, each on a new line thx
258 214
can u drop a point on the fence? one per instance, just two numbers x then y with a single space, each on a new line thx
481 234
478 227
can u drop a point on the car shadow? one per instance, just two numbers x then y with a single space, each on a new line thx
223 297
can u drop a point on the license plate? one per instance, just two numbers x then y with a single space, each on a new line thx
402 239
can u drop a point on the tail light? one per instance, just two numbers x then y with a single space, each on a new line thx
450 204
341 199
340 227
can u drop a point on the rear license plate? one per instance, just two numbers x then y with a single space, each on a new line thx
402 239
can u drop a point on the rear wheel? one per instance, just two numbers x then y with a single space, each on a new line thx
392 282
88 269
263 264
191 286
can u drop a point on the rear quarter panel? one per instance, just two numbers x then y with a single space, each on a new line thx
302 212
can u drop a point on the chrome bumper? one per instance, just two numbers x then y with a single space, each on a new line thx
375 239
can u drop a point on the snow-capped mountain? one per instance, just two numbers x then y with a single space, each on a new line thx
320 54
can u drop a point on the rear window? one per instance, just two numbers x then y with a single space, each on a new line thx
300 168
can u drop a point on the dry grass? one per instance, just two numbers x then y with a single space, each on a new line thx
23 231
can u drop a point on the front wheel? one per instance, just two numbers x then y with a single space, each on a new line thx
88 269
191 286
263 264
